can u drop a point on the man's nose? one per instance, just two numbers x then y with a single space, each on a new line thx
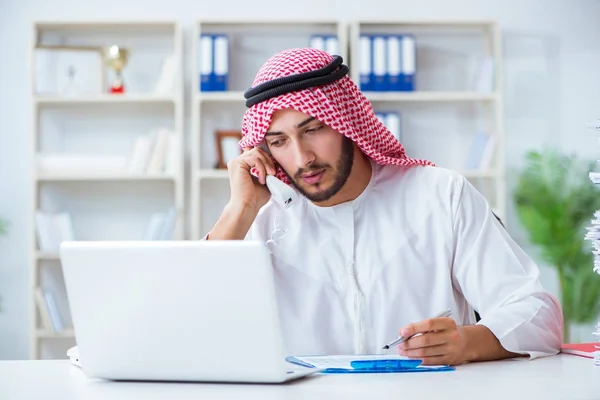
303 155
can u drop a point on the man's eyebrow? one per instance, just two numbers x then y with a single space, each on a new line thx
300 125
273 133
306 121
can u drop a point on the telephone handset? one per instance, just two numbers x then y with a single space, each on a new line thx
280 192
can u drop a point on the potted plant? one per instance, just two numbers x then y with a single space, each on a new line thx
555 201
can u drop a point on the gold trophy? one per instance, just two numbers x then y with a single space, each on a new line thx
116 58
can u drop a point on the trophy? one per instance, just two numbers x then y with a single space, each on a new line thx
116 58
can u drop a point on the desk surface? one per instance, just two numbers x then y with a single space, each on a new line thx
557 377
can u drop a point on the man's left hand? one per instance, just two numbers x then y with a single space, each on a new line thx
440 341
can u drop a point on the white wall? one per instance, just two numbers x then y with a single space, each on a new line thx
551 50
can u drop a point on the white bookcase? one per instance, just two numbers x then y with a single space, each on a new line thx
251 43
452 102
87 154
457 95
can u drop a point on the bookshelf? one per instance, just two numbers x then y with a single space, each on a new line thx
453 98
103 99
449 57
430 96
109 161
251 43
78 177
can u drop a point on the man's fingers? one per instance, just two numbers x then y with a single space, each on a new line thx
424 352
255 158
268 162
437 360
262 172
425 340
428 325
265 159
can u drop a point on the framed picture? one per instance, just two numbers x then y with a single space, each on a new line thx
66 70
227 147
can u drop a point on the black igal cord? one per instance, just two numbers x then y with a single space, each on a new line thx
286 84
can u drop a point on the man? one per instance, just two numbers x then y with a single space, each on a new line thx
378 243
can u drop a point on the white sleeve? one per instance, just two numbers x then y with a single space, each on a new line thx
500 281
255 231
248 235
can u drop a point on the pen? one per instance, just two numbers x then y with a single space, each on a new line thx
401 339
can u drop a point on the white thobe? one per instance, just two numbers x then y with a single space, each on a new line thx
418 240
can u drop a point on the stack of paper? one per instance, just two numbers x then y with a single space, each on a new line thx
593 234
595 177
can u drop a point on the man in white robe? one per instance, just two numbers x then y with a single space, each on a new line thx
377 243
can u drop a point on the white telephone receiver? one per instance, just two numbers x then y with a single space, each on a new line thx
281 193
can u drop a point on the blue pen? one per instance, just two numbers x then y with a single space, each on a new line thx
401 339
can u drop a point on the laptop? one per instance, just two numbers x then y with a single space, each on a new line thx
201 311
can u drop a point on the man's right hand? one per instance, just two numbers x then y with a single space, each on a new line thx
247 190
248 194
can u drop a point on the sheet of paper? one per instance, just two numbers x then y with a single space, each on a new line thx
343 361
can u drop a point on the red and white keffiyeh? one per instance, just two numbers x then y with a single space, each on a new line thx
340 105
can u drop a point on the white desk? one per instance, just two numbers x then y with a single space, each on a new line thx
558 377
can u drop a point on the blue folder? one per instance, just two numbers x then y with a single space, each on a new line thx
213 62
378 366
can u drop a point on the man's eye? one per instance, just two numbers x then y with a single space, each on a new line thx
310 130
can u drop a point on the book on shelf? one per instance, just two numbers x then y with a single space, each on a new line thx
161 225
392 121
481 152
168 72
328 43
154 153
52 229
50 315
157 157
481 74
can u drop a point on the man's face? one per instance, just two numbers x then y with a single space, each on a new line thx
316 158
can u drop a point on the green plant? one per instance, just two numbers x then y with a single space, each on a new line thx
555 201
3 227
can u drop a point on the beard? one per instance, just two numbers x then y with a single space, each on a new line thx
343 169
